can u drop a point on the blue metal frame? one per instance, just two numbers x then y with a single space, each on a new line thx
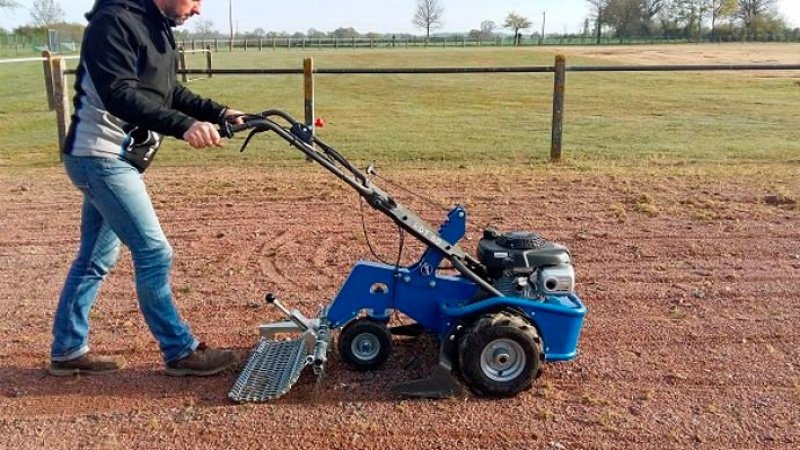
438 302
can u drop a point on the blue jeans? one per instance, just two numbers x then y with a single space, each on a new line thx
116 207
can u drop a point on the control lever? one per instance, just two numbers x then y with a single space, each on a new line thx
294 315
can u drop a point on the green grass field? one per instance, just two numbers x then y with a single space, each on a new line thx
619 120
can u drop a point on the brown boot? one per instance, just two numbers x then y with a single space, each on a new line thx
87 364
202 362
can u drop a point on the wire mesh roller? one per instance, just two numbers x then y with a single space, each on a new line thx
271 370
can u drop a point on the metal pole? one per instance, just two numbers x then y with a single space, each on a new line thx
544 19
558 107
230 20
308 90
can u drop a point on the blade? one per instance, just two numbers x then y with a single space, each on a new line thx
440 383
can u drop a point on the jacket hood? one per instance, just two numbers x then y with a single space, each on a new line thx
141 6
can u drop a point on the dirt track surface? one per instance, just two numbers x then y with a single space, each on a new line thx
755 53
691 339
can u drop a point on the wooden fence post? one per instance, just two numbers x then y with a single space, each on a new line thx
308 90
559 83
208 60
48 79
182 62
61 100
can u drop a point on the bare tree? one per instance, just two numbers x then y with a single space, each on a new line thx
487 28
650 9
429 16
598 9
46 13
516 22
205 28
10 4
485 32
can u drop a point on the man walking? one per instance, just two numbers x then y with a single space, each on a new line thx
127 97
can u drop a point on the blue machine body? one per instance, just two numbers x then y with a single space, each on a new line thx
438 302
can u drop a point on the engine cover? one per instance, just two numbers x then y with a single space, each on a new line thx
519 250
523 264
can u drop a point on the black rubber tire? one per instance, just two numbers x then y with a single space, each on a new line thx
375 334
509 330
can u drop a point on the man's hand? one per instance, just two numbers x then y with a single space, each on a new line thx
236 116
205 134
202 135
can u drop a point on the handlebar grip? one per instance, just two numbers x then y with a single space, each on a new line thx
227 130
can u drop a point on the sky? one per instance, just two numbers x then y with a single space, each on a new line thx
383 16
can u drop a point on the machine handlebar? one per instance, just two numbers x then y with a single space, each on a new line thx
251 121
301 136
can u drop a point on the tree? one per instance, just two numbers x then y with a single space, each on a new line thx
721 9
690 13
751 10
429 16
10 4
46 13
205 28
487 29
625 16
516 22
485 32
649 10
345 33
314 33
598 9
586 28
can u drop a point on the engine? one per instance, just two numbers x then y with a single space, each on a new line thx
523 264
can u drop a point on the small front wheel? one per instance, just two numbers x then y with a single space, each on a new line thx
500 355
365 344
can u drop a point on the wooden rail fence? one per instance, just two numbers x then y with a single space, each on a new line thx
58 89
